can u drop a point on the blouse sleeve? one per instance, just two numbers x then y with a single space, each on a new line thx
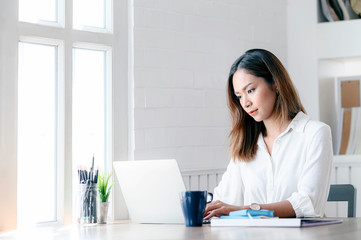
314 183
230 188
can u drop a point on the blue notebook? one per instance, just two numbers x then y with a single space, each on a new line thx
249 213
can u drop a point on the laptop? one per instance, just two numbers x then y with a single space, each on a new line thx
151 190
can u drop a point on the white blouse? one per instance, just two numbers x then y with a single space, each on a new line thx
298 170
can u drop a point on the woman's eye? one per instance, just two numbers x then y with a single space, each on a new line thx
238 97
250 91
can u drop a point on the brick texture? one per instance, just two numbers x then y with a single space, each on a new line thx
183 50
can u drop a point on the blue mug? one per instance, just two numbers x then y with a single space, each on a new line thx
193 205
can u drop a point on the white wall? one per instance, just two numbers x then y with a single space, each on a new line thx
8 104
183 50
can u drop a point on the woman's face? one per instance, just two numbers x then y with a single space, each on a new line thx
256 97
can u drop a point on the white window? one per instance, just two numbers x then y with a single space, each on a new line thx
46 12
91 106
92 15
65 102
37 136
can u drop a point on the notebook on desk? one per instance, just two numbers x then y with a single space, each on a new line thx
151 190
273 222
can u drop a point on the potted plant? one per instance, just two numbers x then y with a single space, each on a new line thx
104 188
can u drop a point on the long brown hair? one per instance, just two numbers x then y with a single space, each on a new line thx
245 130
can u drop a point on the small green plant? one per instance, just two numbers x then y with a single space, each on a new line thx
104 186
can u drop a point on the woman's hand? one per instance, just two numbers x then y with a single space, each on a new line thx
218 208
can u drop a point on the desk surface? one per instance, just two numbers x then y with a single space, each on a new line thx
349 229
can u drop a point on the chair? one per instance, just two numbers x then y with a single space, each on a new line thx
344 192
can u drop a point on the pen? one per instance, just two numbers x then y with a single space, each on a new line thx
96 175
91 171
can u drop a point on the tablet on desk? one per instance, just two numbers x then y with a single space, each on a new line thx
151 190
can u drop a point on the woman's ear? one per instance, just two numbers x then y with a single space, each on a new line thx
276 89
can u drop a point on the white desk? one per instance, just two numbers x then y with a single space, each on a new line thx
349 229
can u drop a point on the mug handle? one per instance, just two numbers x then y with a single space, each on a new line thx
210 195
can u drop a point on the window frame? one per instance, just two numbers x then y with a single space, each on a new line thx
60 119
70 37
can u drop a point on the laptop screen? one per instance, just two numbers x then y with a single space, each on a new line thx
151 190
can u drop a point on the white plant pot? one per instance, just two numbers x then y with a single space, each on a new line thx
103 212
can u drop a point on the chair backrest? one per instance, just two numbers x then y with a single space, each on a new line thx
344 192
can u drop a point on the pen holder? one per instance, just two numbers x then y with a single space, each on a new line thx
87 203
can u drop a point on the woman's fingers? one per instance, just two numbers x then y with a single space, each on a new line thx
210 214
213 205
216 209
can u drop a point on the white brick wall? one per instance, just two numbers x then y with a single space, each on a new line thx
183 50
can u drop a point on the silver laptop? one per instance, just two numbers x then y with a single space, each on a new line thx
151 190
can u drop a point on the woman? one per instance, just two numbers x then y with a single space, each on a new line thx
281 159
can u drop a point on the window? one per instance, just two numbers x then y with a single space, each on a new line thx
65 101
91 105
46 12
37 137
97 16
